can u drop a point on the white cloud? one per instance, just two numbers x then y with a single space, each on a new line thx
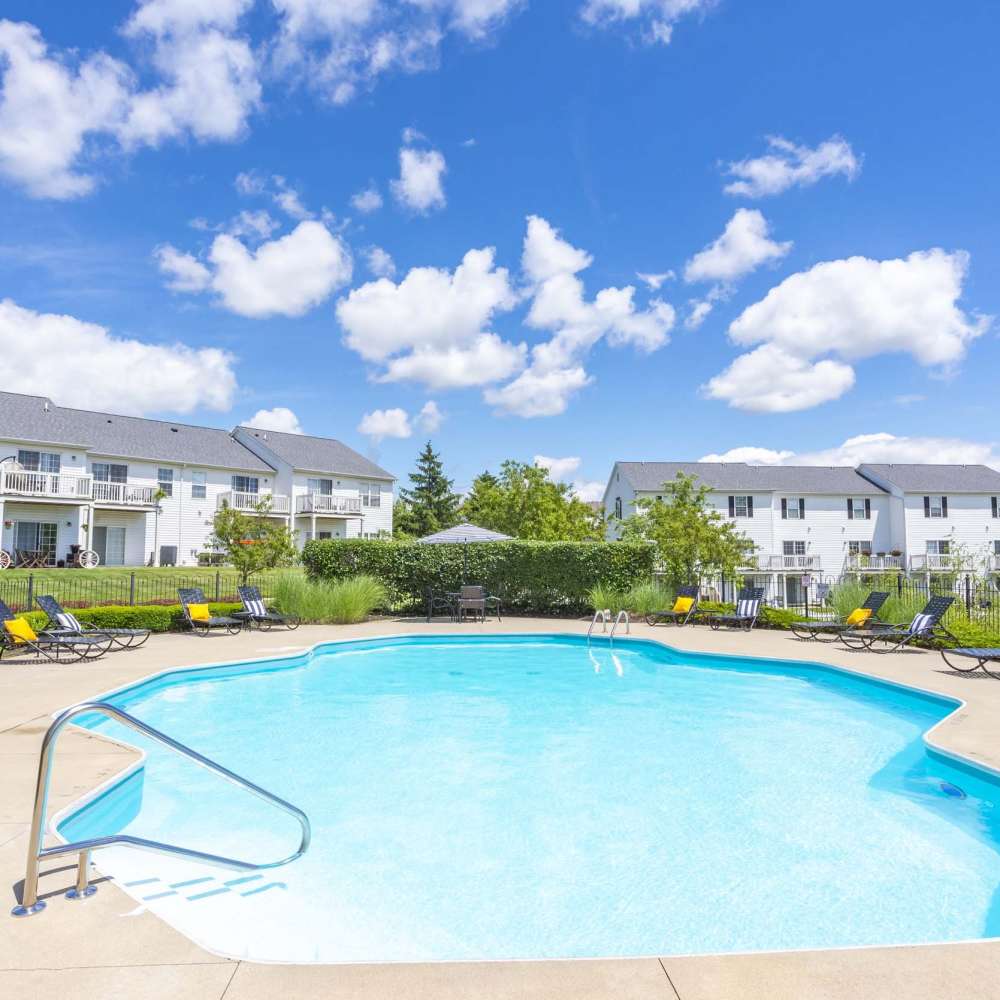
536 393
853 309
250 183
429 307
654 281
789 165
184 272
412 135
657 17
49 110
558 468
96 370
255 224
381 424
279 419
380 262
282 277
743 246
419 186
289 200
546 255
908 398
589 490
874 448
700 309
430 417
486 359
367 201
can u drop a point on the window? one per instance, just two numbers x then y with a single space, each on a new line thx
199 481
165 481
39 461
246 484
793 548
996 547
324 487
994 505
37 538
935 506
371 495
859 548
618 507
859 508
741 506
793 508
939 547
106 472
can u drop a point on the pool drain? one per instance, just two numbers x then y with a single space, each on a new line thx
952 790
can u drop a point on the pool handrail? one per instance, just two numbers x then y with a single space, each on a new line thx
628 628
603 616
30 903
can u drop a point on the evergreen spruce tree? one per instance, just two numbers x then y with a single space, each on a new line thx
431 503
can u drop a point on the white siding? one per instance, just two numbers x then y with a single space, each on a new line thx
969 526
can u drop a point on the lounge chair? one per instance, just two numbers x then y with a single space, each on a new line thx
17 634
748 603
865 616
61 622
969 658
684 609
196 614
925 625
255 611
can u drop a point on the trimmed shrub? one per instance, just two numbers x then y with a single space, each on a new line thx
157 618
340 602
526 576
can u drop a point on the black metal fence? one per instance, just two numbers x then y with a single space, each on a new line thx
78 589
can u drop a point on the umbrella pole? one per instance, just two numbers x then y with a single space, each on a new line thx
465 562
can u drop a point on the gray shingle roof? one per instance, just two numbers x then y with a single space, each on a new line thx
37 419
938 478
648 477
315 454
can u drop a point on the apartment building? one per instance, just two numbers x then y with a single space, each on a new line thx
827 521
144 492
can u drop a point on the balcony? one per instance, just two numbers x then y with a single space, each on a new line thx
933 562
247 502
325 503
784 564
865 562
124 494
45 485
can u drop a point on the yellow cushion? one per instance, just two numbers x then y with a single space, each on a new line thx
20 629
683 605
859 616
199 612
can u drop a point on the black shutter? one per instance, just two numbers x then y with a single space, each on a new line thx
993 502
944 506
868 509
927 506
802 508
784 509
850 509
749 506
732 506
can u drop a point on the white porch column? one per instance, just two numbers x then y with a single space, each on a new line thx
2 529
312 529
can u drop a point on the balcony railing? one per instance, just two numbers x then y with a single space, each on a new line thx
124 493
864 562
247 502
801 564
45 484
324 503
931 562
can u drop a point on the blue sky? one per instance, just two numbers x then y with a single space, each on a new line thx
183 235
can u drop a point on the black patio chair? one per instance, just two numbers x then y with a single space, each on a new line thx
439 602
61 622
674 614
925 625
831 631
255 611
49 645
203 626
748 604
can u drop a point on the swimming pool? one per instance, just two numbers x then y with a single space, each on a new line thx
533 797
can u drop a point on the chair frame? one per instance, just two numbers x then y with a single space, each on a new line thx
121 638
195 595
79 647
980 655
678 618
249 593
746 622
899 635
830 631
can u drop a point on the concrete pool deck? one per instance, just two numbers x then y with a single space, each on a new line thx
107 947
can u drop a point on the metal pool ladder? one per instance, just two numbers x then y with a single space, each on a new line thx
628 628
602 617
30 903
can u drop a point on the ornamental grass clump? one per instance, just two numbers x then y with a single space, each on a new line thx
341 602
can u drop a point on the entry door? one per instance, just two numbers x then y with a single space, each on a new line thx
109 544
32 536
794 594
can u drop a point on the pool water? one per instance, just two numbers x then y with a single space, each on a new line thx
533 797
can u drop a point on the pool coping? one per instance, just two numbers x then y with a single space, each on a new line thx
304 655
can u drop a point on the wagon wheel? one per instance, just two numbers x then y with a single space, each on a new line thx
88 559
5 559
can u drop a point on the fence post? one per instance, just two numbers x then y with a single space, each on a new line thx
968 596
899 585
131 589
31 590
217 591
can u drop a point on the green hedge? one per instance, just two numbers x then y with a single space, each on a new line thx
155 617
528 576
